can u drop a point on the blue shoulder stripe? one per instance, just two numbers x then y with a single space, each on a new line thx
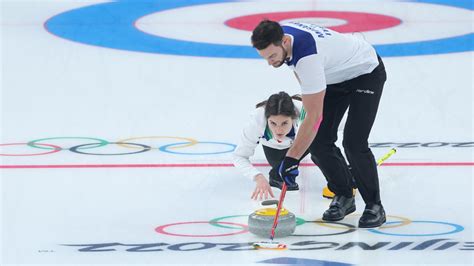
303 44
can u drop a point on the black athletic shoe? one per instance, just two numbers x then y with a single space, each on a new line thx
339 208
373 216
278 183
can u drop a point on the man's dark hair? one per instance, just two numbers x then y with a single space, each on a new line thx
267 32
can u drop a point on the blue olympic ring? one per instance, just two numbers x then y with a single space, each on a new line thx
165 148
457 228
111 25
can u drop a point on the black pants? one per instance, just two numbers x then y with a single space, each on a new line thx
362 96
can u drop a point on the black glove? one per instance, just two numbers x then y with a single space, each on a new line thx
289 171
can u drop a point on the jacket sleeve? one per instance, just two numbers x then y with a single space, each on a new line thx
310 73
248 142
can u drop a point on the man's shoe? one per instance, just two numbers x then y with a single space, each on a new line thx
278 183
339 208
373 216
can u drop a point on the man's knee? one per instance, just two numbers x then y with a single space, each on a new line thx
319 150
355 147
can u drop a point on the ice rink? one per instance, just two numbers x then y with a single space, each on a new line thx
118 119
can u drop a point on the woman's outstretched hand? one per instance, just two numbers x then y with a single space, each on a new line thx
262 188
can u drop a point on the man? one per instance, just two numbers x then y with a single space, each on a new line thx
335 72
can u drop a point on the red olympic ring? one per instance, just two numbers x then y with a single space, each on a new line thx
56 149
356 21
161 229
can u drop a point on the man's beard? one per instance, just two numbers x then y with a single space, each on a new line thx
284 58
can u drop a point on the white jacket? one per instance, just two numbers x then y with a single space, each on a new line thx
257 131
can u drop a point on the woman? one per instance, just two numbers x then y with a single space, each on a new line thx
274 124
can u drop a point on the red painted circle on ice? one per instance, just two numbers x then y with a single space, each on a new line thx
355 21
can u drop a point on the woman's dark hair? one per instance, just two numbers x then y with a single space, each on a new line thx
267 32
280 104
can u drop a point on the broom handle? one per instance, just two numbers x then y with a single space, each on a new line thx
280 204
386 156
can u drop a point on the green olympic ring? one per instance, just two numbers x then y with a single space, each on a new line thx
101 143
299 221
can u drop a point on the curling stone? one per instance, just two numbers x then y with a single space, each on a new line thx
260 222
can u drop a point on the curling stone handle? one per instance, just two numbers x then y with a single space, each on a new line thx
269 202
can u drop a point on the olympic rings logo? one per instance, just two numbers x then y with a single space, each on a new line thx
178 148
390 228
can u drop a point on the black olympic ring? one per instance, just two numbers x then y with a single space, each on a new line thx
350 228
76 148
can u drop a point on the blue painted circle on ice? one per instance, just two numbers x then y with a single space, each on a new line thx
112 25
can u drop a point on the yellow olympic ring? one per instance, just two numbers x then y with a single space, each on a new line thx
191 141
404 221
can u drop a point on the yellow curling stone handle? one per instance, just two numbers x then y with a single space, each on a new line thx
271 212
